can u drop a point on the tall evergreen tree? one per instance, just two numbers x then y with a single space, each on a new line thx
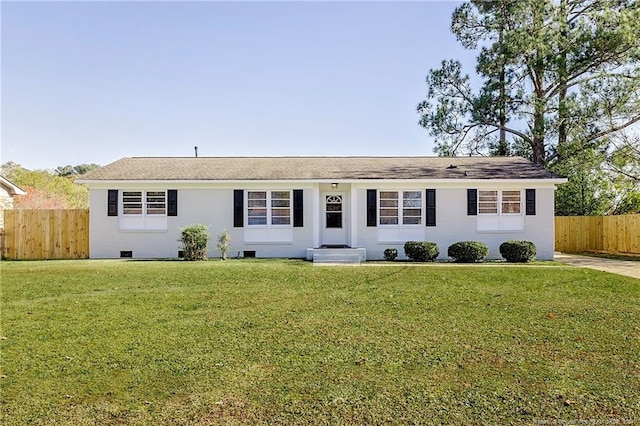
553 71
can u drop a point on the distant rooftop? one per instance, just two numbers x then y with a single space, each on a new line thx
317 168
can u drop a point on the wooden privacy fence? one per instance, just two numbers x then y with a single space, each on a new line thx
611 234
64 234
46 234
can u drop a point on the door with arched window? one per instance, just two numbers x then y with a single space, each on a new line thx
333 219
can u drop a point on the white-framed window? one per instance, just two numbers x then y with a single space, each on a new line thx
149 203
256 207
400 207
132 203
269 208
411 207
156 202
511 202
389 207
499 202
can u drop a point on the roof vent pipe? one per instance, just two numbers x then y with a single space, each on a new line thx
196 149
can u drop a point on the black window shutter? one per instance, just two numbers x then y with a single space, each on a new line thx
298 209
238 208
172 202
372 196
431 207
112 202
472 202
530 202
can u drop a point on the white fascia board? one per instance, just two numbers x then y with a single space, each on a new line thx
13 189
308 183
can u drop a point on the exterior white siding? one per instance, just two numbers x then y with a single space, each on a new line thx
206 205
212 204
453 225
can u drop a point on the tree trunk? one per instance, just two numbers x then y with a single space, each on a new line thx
502 99
562 76
539 99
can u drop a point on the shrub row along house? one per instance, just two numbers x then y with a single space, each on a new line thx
293 206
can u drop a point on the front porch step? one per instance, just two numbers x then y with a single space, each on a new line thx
336 258
337 255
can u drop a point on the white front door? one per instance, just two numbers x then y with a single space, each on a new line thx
334 231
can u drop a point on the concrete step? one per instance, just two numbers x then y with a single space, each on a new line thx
337 255
337 258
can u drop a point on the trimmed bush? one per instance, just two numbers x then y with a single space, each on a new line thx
194 239
390 254
421 251
468 251
518 251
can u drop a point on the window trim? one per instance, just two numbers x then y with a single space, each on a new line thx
157 202
499 202
126 194
269 208
400 208
144 202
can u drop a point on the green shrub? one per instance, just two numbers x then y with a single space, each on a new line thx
518 251
390 254
421 251
194 239
468 251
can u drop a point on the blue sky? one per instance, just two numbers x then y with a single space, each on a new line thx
91 82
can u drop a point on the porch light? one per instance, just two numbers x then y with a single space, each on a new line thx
334 185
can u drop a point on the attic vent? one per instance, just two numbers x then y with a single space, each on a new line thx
451 166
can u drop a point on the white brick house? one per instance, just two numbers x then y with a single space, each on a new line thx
283 206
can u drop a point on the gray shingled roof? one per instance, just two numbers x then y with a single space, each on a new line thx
318 168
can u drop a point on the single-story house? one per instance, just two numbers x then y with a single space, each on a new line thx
289 206
8 190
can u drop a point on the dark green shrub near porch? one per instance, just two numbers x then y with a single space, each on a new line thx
390 254
421 251
468 251
518 251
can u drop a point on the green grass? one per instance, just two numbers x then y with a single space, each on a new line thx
246 342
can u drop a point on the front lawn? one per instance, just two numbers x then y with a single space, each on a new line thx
277 341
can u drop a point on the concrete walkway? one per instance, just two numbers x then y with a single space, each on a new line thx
629 268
